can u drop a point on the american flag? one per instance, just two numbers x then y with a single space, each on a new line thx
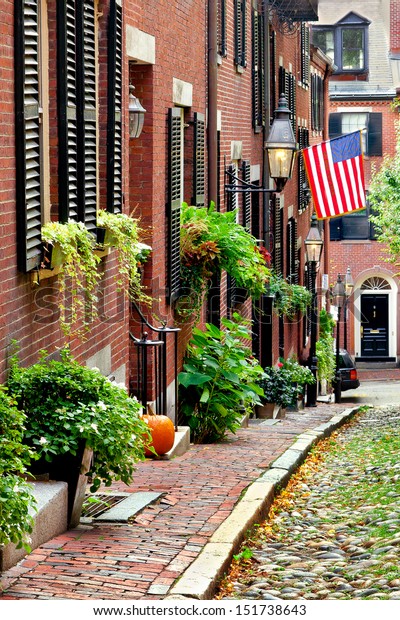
336 175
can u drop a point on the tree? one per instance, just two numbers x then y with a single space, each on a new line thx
384 198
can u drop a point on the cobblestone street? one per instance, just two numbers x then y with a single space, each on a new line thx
341 537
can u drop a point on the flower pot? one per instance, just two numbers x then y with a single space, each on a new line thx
266 410
104 237
71 469
52 256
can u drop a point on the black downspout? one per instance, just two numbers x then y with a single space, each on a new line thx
212 82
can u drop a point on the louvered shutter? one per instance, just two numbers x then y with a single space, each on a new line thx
87 121
221 27
27 99
198 160
303 193
273 98
257 118
240 32
175 191
287 86
278 234
375 134
114 106
335 125
305 54
246 196
67 112
291 249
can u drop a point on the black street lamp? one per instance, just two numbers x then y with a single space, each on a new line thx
281 145
339 294
348 289
313 244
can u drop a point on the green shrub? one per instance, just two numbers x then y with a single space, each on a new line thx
16 497
219 380
67 404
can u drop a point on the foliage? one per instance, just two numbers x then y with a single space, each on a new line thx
211 242
67 403
289 299
79 275
300 375
324 347
278 387
219 380
16 499
384 198
123 234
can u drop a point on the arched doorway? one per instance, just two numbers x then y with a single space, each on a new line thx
375 327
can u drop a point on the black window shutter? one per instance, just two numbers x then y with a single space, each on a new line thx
291 249
174 201
221 27
335 125
303 139
287 86
305 54
375 134
27 129
320 105
114 107
335 229
86 113
257 113
278 234
246 196
198 160
67 112
273 98
240 32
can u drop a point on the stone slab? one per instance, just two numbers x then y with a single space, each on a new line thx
133 504
289 460
50 520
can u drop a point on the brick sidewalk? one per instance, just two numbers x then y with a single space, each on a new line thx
143 559
378 374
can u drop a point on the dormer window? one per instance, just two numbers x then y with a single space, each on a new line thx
346 43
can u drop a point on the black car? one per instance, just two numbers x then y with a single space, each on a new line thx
348 371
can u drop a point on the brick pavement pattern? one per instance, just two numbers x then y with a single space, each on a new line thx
143 559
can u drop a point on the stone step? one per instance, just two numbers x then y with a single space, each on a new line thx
50 520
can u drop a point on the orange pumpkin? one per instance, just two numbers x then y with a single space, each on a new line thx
162 433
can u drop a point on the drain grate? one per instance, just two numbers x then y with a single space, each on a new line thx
97 503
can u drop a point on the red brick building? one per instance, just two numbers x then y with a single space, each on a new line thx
364 45
209 75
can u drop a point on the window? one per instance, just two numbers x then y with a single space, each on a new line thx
240 33
346 122
354 226
72 82
346 43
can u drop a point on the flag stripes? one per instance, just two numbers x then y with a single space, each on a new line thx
336 175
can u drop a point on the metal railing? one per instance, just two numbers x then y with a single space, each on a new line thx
154 370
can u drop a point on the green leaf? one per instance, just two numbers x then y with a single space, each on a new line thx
205 396
190 378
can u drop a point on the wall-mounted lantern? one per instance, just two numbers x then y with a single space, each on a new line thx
281 145
136 114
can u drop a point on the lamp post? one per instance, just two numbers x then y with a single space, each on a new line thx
313 245
348 289
339 294
136 114
281 145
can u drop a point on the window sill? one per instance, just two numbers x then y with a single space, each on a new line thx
44 273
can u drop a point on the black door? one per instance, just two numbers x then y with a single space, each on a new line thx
374 325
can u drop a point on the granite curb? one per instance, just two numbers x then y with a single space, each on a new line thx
201 578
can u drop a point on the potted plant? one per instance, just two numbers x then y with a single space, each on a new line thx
211 242
276 384
289 299
122 232
325 353
70 408
220 379
300 377
16 499
74 247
